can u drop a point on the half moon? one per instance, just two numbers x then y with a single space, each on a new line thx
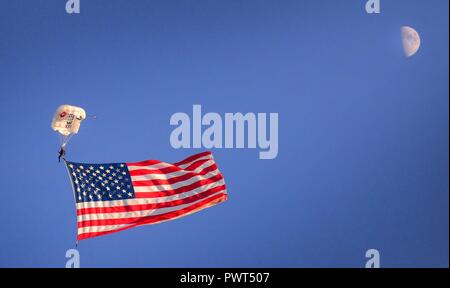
411 41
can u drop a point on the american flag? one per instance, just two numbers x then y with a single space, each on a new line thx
118 196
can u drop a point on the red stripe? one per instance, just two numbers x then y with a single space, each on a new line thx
144 163
139 207
179 190
166 170
153 162
163 217
196 164
174 180
192 158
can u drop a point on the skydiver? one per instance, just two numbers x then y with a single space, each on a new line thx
62 153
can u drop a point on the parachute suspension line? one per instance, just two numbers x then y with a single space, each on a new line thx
62 150
67 139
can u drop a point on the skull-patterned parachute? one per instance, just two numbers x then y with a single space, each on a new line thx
67 121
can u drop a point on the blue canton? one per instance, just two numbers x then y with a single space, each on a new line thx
100 182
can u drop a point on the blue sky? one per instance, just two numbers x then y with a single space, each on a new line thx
363 131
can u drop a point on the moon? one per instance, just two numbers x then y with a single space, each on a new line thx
411 41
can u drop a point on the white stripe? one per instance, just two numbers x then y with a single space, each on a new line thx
127 202
165 187
93 229
140 213
105 228
165 165
173 174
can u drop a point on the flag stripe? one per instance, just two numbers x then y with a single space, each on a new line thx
177 188
135 211
165 170
199 171
160 202
193 158
185 161
155 191
187 176
161 165
144 201
84 233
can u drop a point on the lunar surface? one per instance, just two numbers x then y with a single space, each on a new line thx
411 41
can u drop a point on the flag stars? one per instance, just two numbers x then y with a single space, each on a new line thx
99 182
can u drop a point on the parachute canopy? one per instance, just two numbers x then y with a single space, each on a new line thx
67 121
